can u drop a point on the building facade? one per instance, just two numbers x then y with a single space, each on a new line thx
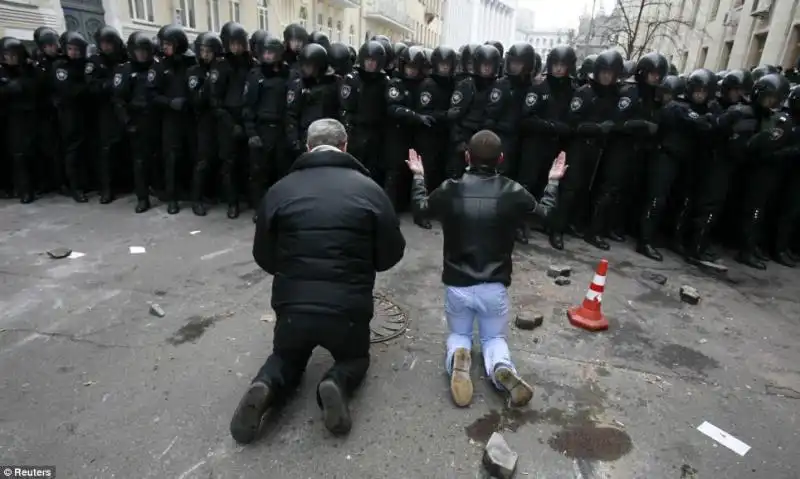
477 21
593 36
348 21
543 42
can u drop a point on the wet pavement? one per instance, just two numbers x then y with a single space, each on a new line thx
95 384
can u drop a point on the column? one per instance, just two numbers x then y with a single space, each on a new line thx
741 42
779 33
475 6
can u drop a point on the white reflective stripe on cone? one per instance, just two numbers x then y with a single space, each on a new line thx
599 280
592 295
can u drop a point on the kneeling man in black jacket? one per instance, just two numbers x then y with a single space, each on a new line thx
323 231
480 213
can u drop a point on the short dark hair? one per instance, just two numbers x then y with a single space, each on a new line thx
484 149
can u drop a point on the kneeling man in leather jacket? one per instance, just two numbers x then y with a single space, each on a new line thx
480 213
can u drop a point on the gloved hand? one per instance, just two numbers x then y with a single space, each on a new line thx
255 142
238 131
607 126
426 120
745 126
652 128
177 104
742 110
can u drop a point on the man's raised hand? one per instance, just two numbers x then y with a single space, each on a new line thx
414 162
559 167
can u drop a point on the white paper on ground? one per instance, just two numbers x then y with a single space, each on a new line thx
194 232
136 249
723 438
75 255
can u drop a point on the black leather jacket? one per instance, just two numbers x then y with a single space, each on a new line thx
480 213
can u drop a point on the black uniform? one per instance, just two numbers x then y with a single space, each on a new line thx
50 164
787 218
135 108
170 84
99 75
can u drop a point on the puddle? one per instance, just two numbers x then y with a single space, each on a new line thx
194 328
591 442
673 355
512 419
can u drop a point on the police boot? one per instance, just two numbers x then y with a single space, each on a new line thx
648 227
106 196
760 254
746 255
198 208
173 207
142 205
679 231
422 222
522 234
794 256
783 258
596 225
783 237
233 210
79 196
698 246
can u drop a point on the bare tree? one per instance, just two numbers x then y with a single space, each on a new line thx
636 26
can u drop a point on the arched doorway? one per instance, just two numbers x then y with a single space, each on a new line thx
84 16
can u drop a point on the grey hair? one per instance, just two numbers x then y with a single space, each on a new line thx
326 131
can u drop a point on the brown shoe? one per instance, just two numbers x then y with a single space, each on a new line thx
460 382
519 392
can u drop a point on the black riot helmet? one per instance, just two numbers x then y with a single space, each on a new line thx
320 39
609 61
270 51
587 67
108 35
700 85
428 60
353 54
399 48
44 36
651 69
734 85
313 60
412 64
339 57
497 45
208 46
793 102
628 69
160 34
520 60
537 64
295 37
468 58
673 70
763 70
76 40
670 88
233 32
257 38
388 48
443 62
561 55
13 46
487 61
175 35
371 57
141 48
768 91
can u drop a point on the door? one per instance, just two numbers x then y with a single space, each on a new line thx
84 16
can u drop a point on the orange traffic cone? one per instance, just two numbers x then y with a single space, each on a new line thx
588 315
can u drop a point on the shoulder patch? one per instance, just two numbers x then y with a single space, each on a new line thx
61 74
117 79
89 68
192 82
693 115
495 95
576 104
624 103
456 98
424 98
213 75
345 92
775 134
290 97
394 92
151 76
246 88
531 98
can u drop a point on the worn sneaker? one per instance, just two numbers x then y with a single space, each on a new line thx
247 417
519 392
334 408
460 382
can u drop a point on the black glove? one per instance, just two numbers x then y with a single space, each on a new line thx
745 126
238 131
742 110
177 104
255 142
426 120
607 126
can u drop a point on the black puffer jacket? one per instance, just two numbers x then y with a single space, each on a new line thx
323 231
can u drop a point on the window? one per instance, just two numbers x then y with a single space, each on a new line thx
351 37
330 28
338 31
319 22
303 16
185 14
263 15
234 11
141 10
213 15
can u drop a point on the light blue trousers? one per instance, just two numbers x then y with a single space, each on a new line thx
487 303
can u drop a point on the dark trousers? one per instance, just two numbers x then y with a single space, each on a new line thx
294 340
177 139
109 135
267 161
662 172
789 207
435 154
582 159
144 132
20 139
50 163
610 182
206 153
231 147
760 189
71 124
534 161
366 144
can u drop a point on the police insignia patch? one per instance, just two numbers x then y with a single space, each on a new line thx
495 95
693 115
151 76
117 79
345 93
775 134
394 92
192 82
530 99
246 88
424 98
61 74
624 103
575 104
290 96
89 68
213 76
456 98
